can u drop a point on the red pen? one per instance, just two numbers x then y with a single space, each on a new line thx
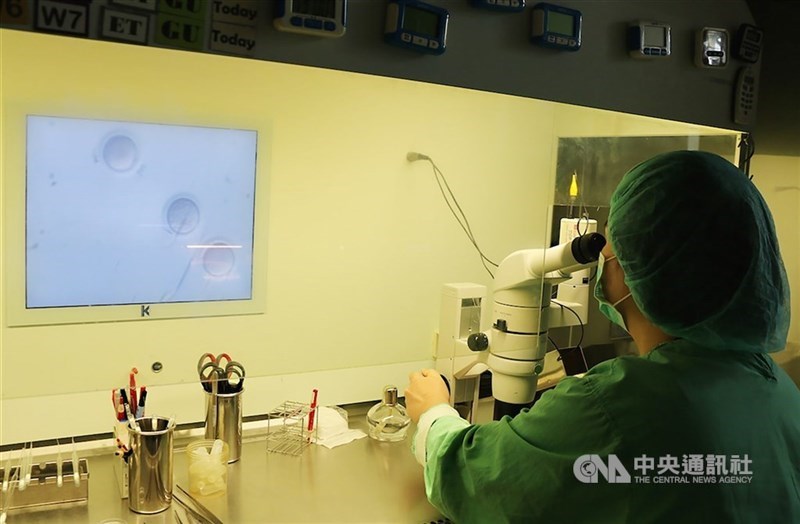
132 391
118 409
312 413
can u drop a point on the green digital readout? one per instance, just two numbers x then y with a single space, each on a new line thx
421 21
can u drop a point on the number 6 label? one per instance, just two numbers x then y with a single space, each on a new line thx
15 13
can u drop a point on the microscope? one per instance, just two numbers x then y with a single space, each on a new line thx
514 347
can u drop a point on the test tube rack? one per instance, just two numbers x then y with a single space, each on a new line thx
43 490
287 428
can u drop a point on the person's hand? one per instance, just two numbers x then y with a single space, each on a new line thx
425 390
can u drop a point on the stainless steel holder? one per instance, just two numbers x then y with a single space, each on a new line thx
287 428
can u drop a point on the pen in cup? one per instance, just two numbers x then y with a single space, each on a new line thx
132 385
142 398
131 419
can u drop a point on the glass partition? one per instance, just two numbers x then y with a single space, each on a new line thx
352 242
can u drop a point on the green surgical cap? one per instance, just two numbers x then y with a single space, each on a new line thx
698 247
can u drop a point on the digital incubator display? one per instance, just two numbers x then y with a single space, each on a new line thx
655 36
421 21
560 23
323 8
137 213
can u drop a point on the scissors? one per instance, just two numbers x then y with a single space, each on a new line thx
215 374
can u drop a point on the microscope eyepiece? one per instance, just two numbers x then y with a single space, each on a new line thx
586 248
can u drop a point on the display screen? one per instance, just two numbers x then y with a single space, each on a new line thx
655 36
715 40
421 21
134 213
560 23
322 8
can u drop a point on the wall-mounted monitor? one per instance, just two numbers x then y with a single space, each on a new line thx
135 221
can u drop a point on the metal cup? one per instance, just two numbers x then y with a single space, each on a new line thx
224 421
150 465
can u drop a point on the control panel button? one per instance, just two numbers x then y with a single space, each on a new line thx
418 40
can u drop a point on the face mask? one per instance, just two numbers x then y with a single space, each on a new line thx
607 308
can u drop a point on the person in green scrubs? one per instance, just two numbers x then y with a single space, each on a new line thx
701 426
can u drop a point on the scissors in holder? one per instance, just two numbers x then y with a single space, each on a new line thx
210 358
234 373
218 379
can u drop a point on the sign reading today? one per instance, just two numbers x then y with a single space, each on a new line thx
233 39
240 12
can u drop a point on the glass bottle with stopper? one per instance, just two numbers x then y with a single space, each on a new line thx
388 421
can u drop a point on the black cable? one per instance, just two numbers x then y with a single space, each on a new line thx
564 352
747 146
580 322
465 225
554 345
584 216
468 228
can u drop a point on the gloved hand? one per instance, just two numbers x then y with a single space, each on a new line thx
426 389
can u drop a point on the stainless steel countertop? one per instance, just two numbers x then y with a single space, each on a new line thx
364 481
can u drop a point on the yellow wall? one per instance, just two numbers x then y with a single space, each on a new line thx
357 241
778 179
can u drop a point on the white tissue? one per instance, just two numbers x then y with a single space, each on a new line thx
342 438
332 429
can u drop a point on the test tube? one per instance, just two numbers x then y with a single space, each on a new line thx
76 476
29 468
59 466
23 467
6 472
7 501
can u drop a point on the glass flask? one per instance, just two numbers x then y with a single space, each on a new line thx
388 421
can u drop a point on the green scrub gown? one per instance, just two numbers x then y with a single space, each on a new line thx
727 422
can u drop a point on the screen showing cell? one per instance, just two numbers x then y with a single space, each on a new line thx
137 213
